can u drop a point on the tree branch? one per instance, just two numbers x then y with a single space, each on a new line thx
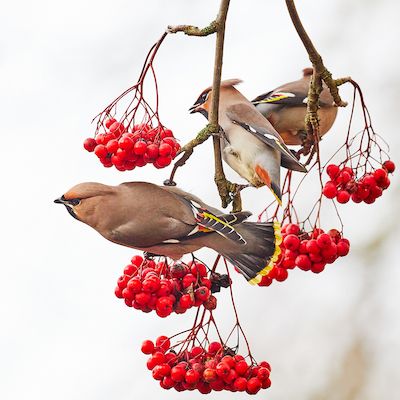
321 74
225 188
228 191
194 30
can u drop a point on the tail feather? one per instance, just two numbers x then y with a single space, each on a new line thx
256 258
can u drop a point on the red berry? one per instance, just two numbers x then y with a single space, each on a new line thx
112 146
303 262
253 385
214 348
334 234
152 151
324 241
118 292
223 369
202 293
142 298
384 184
178 373
343 248
109 122
137 260
356 198
123 281
390 166
165 149
161 371
139 148
292 229
147 347
162 162
369 180
89 144
188 280
329 190
281 274
318 267
333 171
198 269
312 246
163 342
343 196
135 285
263 373
229 360
186 301
100 151
380 175
210 375
167 383
240 384
192 376
117 129
156 359
344 177
291 242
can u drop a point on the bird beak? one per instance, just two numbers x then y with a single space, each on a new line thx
60 200
194 109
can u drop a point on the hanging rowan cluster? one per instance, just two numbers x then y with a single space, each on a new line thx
204 367
167 287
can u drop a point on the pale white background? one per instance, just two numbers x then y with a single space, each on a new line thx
63 333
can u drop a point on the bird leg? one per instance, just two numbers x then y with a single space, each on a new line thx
187 151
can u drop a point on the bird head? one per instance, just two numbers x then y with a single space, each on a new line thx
80 201
203 103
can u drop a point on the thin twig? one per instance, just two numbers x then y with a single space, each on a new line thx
321 74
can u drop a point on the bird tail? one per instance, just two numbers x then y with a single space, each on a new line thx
256 258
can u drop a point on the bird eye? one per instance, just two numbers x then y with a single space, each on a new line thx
74 202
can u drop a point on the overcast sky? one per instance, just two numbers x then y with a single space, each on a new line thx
64 335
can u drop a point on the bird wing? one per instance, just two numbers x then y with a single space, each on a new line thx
221 224
293 94
209 219
249 118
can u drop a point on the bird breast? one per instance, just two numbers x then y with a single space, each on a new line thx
240 149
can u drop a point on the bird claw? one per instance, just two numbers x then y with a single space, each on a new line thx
148 256
169 182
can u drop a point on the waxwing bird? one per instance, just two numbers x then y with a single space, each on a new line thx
168 221
286 107
250 145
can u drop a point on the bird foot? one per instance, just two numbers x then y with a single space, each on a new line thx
169 182
148 256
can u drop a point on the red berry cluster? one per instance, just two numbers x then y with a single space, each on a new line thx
204 368
345 186
129 149
148 285
307 251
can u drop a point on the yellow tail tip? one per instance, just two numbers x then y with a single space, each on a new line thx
271 263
